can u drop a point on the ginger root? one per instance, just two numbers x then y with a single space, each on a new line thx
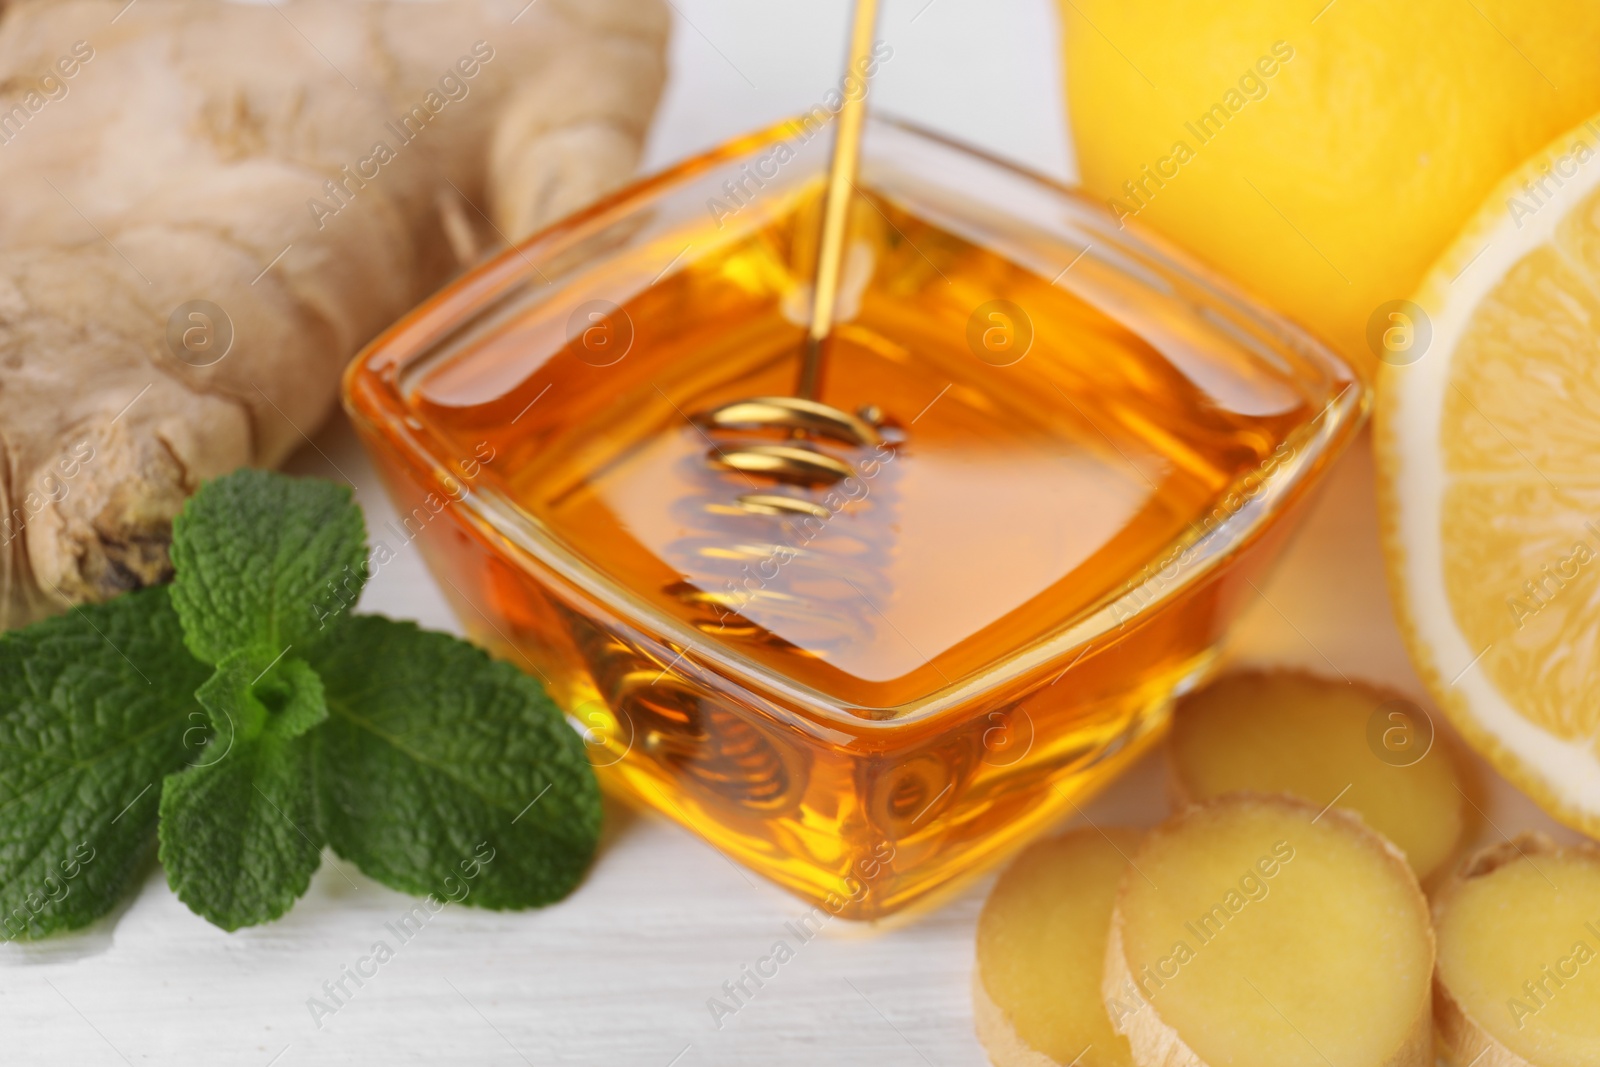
209 207
1518 981
1325 741
1257 931
1041 949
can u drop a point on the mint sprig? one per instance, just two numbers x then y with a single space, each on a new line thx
259 721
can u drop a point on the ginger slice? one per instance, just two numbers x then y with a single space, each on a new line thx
1041 946
1287 732
1256 931
1518 981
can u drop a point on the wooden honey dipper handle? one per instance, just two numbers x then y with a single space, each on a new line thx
836 205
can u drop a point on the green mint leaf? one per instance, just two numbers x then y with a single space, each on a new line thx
250 695
442 771
239 837
265 561
96 707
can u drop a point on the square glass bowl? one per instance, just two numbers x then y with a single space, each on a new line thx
1093 448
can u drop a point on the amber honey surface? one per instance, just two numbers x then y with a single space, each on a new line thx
1019 495
1043 460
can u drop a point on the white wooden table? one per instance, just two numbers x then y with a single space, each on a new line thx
619 974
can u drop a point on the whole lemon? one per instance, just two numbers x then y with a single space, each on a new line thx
1321 153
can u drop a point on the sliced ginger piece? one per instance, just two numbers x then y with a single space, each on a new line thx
1518 982
1287 732
1041 947
1254 931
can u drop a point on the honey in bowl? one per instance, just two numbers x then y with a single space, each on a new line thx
865 688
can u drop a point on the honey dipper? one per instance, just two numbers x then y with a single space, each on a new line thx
803 415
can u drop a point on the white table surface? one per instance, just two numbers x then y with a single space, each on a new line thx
619 974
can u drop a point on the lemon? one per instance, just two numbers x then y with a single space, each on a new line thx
1321 153
1488 444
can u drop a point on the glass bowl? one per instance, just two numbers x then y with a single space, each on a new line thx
859 799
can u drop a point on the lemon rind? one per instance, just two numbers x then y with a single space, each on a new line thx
1563 776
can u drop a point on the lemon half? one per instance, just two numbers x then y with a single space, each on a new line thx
1488 443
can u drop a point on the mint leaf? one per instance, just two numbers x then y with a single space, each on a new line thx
95 708
239 837
265 561
442 771
249 696
239 830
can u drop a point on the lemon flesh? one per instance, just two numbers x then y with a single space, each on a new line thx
1488 450
1354 136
